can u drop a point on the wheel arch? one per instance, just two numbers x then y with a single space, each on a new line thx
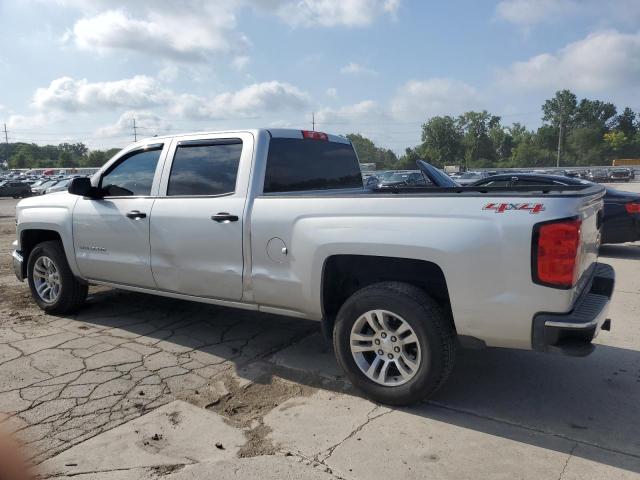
31 237
343 275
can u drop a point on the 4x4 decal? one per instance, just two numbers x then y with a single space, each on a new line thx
503 207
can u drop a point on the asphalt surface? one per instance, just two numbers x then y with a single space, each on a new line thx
136 386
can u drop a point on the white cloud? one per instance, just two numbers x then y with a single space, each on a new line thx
68 94
176 35
29 121
147 123
194 30
256 99
530 12
526 13
331 92
331 13
353 68
240 62
601 61
365 110
422 99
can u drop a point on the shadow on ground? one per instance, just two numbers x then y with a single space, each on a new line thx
553 402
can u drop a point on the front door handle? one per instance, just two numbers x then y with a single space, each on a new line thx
136 214
224 217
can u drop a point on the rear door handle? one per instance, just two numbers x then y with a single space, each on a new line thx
136 214
224 217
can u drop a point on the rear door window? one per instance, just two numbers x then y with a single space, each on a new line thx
205 168
304 164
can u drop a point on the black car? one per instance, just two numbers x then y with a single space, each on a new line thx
12 188
598 175
404 179
620 175
621 221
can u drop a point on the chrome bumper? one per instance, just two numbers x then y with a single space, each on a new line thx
572 333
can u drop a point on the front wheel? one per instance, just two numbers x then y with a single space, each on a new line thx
53 285
394 343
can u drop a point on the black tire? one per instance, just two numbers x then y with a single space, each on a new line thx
73 292
435 335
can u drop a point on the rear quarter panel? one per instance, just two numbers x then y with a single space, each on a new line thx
485 256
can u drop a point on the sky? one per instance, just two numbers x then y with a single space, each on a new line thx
83 70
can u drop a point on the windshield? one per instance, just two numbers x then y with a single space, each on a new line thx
471 175
398 177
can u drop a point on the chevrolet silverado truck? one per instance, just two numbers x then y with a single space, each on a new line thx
278 221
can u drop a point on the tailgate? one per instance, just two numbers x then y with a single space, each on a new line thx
591 214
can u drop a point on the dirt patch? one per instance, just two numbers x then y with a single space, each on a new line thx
162 470
17 297
246 406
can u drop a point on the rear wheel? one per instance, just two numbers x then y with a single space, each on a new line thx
53 285
394 343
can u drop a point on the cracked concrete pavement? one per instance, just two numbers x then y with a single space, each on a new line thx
135 386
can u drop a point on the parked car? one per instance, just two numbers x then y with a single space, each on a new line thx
621 220
42 188
371 181
404 179
397 278
468 178
598 175
15 189
620 175
60 186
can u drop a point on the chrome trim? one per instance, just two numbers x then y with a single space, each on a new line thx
600 318
17 256
582 326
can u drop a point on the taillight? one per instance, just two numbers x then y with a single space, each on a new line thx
632 207
311 135
556 247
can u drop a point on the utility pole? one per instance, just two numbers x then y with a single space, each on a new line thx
560 125
135 132
313 121
6 141
559 143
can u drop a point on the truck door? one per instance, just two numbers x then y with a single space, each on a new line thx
197 221
111 235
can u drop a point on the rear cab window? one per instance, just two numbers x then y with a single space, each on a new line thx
303 164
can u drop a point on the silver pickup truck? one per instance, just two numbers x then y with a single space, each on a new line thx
278 221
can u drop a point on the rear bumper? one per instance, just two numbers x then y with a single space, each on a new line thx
18 262
572 333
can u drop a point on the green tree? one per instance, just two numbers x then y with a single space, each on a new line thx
561 109
626 123
594 114
442 141
368 152
65 160
616 140
19 160
477 144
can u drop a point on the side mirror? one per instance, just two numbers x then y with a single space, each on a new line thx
82 186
